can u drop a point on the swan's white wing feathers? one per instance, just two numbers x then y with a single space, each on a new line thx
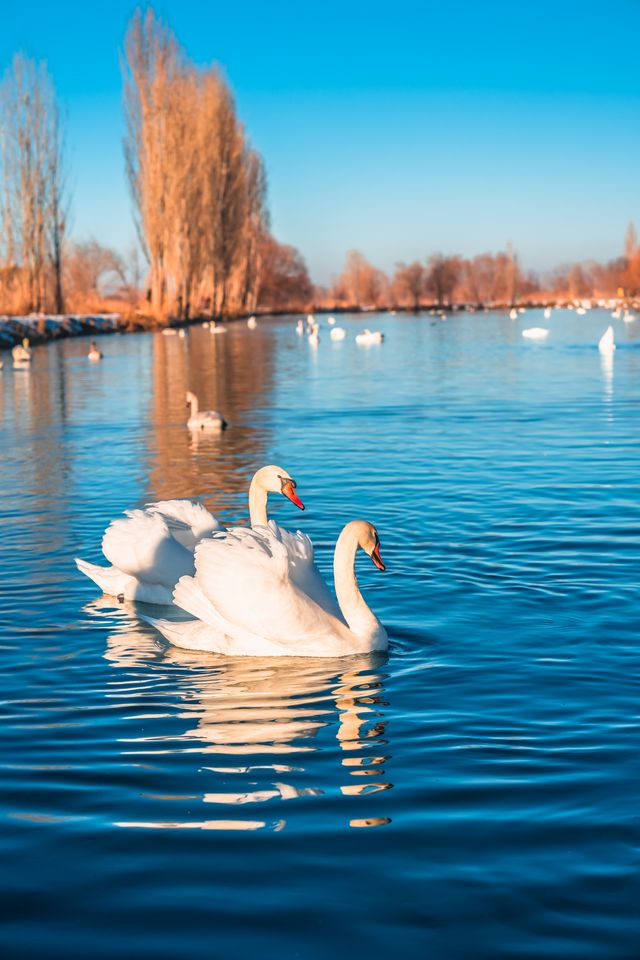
141 544
188 595
188 521
245 575
303 570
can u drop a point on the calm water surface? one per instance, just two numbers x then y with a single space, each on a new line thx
474 794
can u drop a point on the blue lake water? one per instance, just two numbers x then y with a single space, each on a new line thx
474 794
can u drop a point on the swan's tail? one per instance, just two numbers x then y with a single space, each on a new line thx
109 579
115 583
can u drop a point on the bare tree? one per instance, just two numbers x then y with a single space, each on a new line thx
199 190
442 276
33 193
409 282
152 61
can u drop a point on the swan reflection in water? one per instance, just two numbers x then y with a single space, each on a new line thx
280 709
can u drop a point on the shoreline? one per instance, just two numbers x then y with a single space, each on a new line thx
46 328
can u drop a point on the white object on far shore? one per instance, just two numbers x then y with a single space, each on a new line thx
252 323
21 353
606 343
204 420
535 333
369 336
338 333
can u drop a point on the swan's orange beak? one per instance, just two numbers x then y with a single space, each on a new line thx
289 490
377 559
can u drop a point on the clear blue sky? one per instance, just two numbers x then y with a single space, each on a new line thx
398 129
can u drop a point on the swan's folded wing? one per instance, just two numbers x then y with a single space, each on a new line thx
188 595
245 575
303 570
142 545
187 521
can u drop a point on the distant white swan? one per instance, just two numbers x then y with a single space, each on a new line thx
628 316
252 323
94 354
205 419
535 333
606 343
314 336
217 327
182 333
300 327
338 333
547 313
282 618
369 336
331 321
150 549
169 332
21 353
513 314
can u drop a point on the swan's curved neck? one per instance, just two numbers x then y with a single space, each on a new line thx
362 621
193 400
257 503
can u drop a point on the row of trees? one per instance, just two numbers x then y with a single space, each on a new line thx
440 280
198 190
481 280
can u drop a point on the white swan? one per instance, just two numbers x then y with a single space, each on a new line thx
606 343
252 323
331 321
338 333
94 354
150 549
282 619
369 336
314 336
182 333
205 419
513 314
628 316
300 327
169 332
535 333
547 313
216 328
21 353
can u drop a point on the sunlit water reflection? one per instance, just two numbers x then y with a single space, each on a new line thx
157 802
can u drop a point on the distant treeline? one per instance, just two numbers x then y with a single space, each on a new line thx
484 280
199 196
